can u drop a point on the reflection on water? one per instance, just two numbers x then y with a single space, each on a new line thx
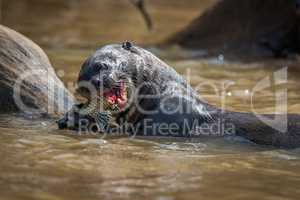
40 162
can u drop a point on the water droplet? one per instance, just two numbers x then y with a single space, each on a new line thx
221 57
61 73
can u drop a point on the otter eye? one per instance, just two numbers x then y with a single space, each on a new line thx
122 66
100 66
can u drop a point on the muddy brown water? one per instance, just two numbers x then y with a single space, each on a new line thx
40 162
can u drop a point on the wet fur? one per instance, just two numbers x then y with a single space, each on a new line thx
142 67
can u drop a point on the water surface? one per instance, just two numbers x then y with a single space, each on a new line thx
40 162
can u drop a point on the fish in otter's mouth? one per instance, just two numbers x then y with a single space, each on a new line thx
116 96
112 99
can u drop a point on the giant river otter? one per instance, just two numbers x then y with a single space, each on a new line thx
128 89
147 97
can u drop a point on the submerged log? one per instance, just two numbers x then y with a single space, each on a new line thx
244 27
140 5
28 83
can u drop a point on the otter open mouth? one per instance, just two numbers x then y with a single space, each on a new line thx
116 96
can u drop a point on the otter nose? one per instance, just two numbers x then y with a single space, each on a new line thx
62 123
104 81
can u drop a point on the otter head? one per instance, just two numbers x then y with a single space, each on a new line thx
125 79
110 74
